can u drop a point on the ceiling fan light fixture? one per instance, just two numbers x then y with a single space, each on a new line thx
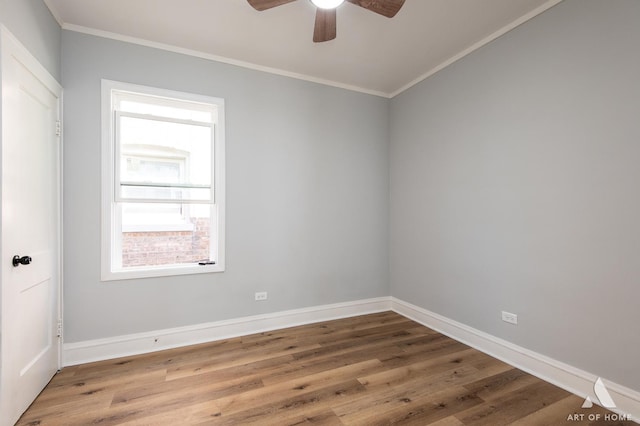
327 4
325 22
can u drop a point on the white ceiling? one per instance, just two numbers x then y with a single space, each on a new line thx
371 53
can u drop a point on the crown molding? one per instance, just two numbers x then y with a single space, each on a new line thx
299 76
217 58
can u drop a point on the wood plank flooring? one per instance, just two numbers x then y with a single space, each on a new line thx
370 370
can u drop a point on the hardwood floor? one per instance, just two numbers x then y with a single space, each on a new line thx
369 370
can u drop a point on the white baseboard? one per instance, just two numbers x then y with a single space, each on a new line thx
570 378
140 343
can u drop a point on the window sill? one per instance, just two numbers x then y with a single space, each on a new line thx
161 271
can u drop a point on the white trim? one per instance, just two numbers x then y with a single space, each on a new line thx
216 58
61 226
572 379
139 343
549 4
133 272
30 62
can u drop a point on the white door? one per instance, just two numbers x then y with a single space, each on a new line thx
29 342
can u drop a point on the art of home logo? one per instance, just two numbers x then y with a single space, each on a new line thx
605 400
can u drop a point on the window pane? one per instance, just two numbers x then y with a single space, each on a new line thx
165 234
164 154
138 168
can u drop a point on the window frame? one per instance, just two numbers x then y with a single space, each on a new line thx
111 232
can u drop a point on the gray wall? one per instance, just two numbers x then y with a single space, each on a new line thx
307 194
515 181
31 22
513 186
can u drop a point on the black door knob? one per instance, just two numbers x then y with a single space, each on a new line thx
24 260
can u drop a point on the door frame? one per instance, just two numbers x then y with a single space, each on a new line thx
11 46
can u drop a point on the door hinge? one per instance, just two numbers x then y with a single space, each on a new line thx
59 329
58 128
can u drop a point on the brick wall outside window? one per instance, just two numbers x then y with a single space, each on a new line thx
166 247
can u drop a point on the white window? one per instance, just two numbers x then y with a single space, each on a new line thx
162 182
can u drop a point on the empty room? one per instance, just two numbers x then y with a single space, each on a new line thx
336 212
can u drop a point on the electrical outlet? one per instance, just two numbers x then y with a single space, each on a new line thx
510 318
262 295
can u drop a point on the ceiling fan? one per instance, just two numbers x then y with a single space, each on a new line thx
325 27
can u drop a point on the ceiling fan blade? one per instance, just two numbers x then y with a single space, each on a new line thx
387 8
267 4
325 28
